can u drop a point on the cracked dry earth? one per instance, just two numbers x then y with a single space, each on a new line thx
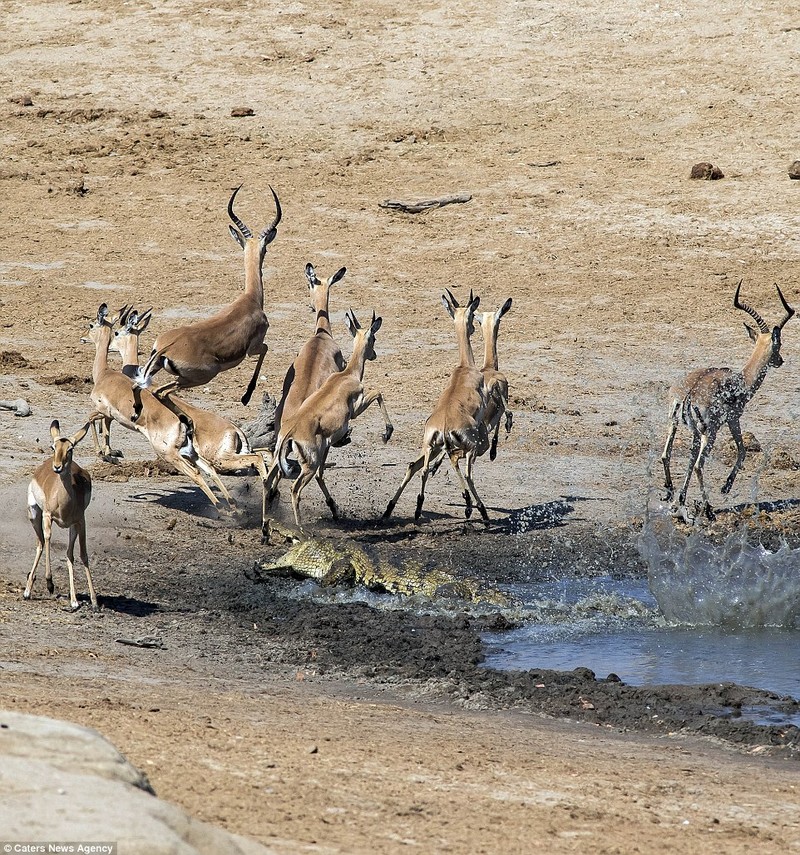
337 728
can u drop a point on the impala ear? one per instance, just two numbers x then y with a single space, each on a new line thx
376 324
751 332
55 430
144 320
473 305
337 276
236 236
79 434
311 275
504 308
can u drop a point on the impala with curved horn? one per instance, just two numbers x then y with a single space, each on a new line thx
708 398
196 353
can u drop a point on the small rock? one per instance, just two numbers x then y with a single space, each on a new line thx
157 114
706 171
22 100
238 112
794 170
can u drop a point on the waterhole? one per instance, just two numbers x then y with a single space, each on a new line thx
707 612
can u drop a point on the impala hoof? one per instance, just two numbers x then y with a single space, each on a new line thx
50 586
388 434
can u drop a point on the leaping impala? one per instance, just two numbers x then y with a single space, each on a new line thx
495 382
196 353
60 492
324 418
319 357
708 398
495 385
116 397
456 427
218 441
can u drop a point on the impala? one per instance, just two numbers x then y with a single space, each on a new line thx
708 398
116 397
59 492
495 382
196 353
319 357
324 418
456 427
217 440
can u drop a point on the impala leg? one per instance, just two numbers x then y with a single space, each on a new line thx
35 516
273 478
666 455
467 486
495 437
85 560
106 428
736 433
693 457
212 473
469 464
300 483
411 471
437 463
368 400
95 439
328 499
426 464
47 525
257 462
185 468
73 597
165 390
706 444
251 386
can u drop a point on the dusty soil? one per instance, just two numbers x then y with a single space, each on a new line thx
336 728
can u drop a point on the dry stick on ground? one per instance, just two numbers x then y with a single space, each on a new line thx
424 204
20 407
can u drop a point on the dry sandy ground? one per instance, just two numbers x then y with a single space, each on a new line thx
574 127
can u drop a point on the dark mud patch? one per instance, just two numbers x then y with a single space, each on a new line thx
439 656
68 382
123 471
11 360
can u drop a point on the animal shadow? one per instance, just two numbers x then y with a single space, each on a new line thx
128 606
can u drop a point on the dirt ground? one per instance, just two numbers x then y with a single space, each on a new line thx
336 728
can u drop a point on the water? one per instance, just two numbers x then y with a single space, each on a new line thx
707 613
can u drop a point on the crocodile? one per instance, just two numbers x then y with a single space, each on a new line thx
344 562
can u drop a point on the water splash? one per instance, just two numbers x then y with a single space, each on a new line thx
728 582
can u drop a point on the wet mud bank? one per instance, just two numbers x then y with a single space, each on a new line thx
440 655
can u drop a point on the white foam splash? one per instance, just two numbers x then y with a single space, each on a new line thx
733 583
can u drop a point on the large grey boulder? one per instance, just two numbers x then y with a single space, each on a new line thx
61 782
